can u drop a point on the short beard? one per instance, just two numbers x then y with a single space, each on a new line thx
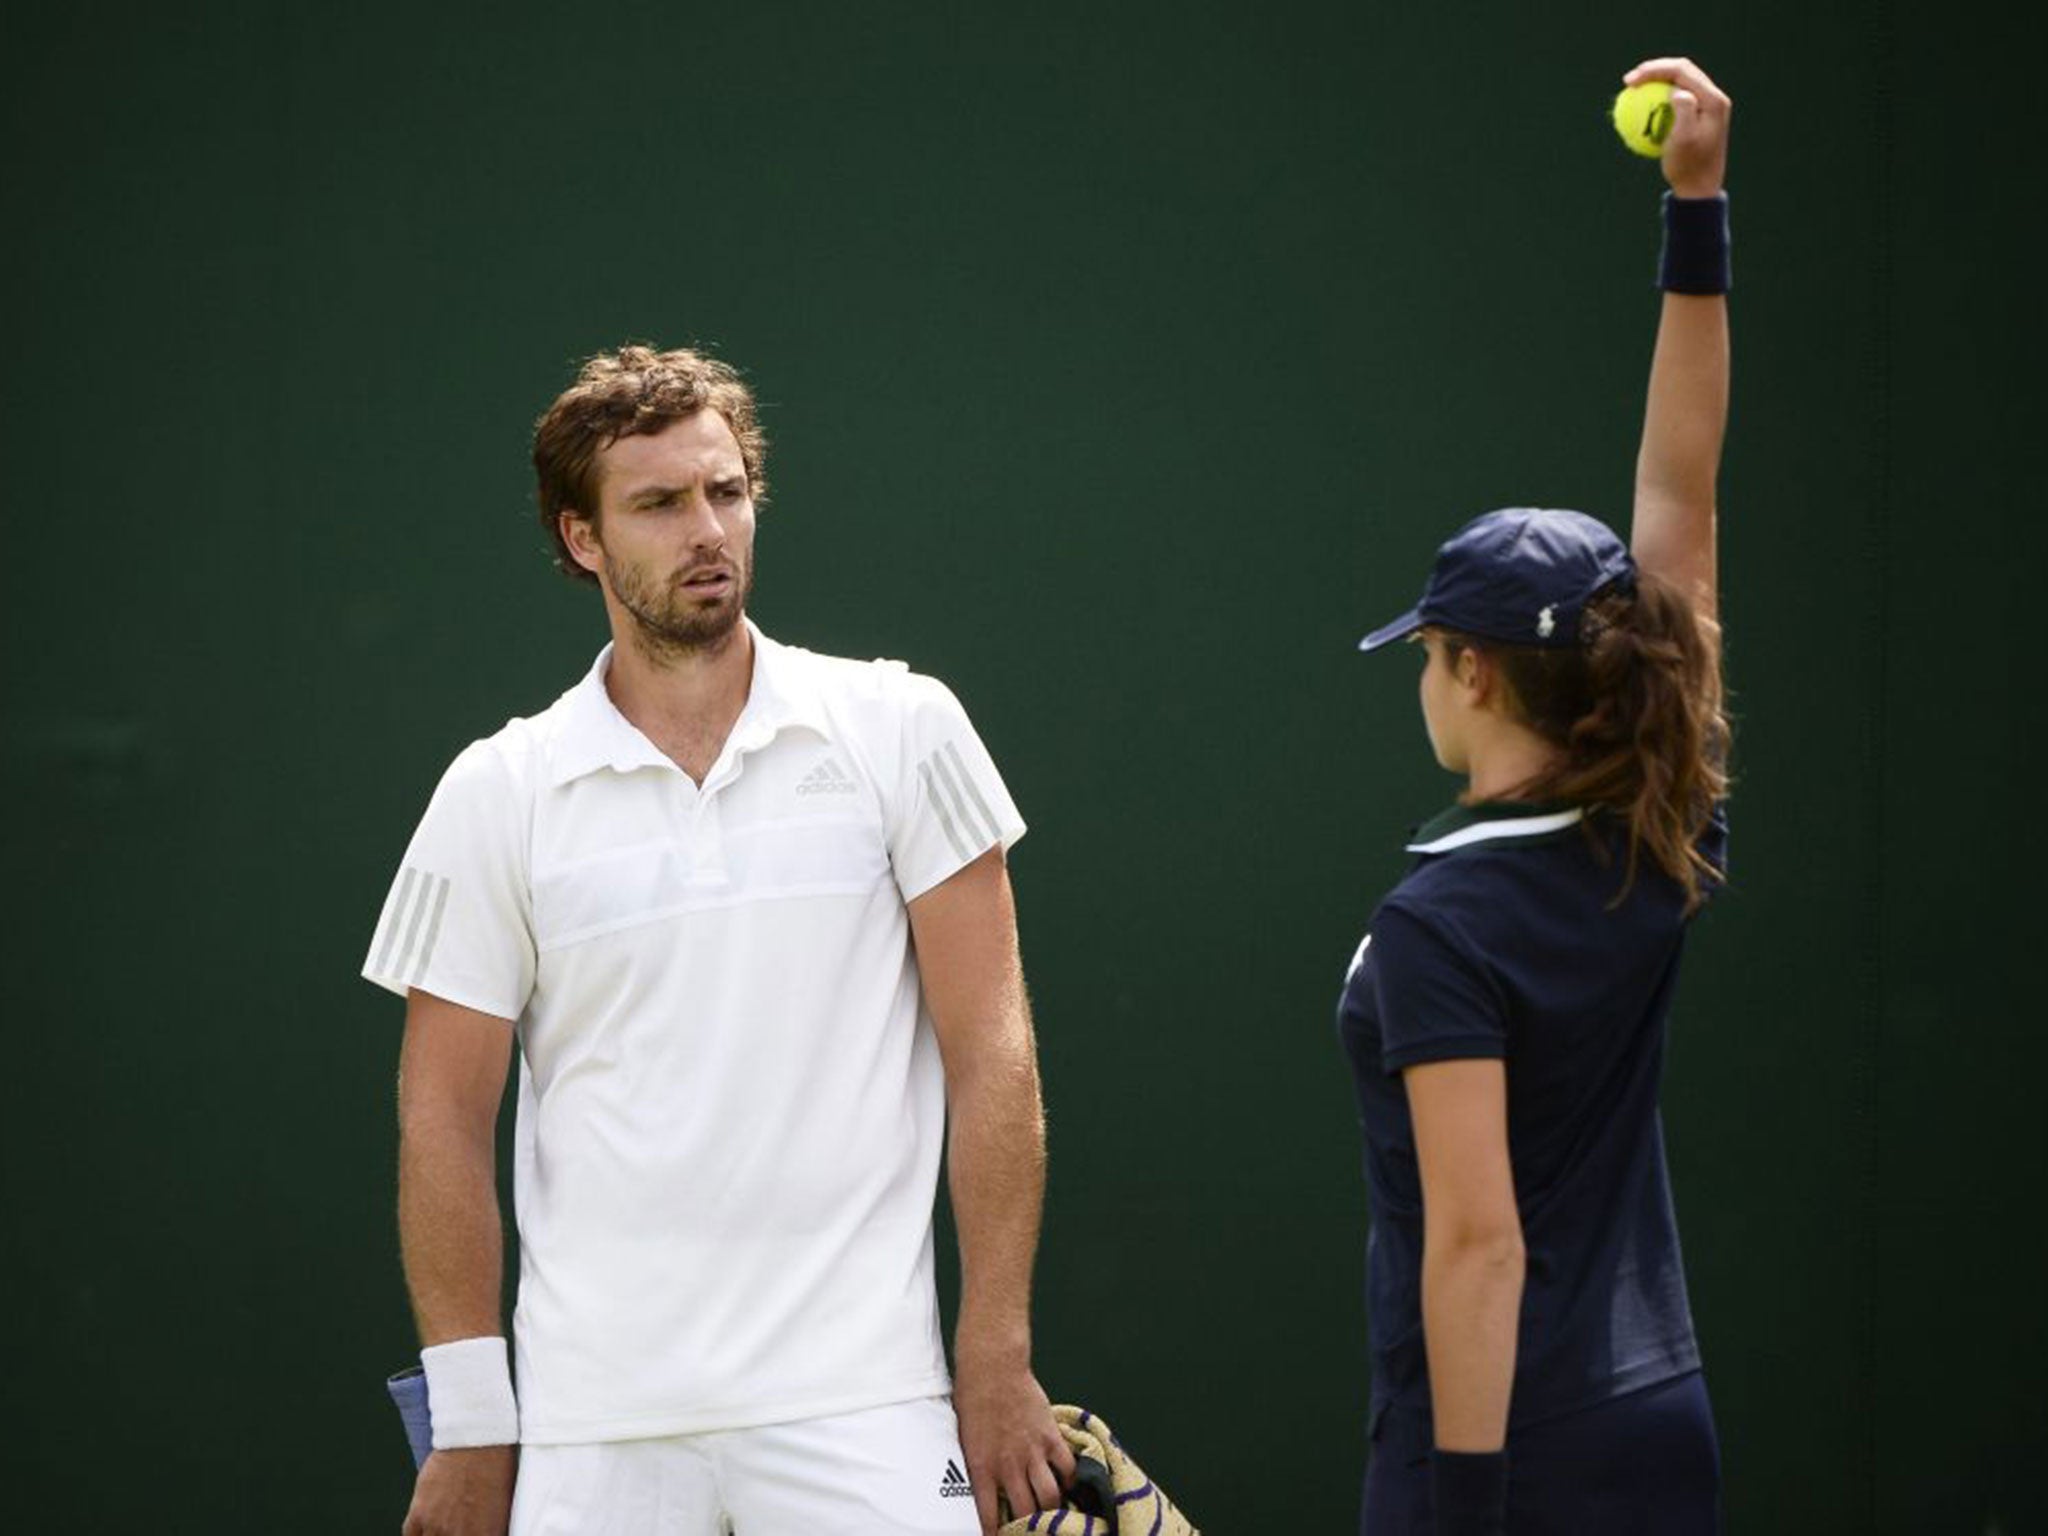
668 625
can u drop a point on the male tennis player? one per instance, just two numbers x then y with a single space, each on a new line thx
745 912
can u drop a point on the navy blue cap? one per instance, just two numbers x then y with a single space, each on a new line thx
1521 575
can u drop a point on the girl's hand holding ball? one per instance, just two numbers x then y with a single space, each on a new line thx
1668 108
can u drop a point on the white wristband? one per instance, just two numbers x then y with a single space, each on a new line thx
469 1393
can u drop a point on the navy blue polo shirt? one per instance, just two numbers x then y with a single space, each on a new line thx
1504 940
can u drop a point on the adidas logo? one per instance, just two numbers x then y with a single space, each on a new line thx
828 778
954 1484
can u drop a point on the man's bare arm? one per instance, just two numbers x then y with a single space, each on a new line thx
451 1077
966 935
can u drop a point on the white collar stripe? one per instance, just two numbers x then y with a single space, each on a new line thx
1512 826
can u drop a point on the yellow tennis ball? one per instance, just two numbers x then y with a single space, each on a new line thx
1642 116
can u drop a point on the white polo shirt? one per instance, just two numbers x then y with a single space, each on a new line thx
731 1105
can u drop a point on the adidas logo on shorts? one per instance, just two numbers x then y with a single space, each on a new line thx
954 1484
828 778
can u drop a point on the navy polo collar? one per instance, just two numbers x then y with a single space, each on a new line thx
1493 821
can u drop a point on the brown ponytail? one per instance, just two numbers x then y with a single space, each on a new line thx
1636 710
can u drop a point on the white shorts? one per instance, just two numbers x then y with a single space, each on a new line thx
880 1472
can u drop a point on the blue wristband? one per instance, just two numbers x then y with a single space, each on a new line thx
408 1389
1695 255
1471 1492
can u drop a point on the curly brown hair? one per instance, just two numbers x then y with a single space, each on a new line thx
1637 710
626 393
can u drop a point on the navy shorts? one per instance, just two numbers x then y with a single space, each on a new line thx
1647 1461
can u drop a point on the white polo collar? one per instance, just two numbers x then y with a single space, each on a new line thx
1492 822
592 734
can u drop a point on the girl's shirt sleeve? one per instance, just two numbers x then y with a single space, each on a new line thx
1436 998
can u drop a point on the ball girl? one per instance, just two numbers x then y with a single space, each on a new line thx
1535 1369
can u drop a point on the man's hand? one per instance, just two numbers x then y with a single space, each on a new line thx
464 1493
1012 1445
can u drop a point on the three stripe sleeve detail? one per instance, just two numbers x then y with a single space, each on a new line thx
964 815
413 926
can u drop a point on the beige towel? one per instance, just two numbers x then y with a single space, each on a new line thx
1142 1508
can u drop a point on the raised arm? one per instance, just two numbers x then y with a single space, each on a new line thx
451 1077
965 929
1687 412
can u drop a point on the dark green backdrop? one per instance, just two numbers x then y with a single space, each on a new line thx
1123 362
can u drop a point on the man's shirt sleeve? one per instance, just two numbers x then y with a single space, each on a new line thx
458 920
950 805
1436 1000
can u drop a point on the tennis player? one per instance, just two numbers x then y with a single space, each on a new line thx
744 912
1534 1365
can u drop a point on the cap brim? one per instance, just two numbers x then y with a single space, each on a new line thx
1400 629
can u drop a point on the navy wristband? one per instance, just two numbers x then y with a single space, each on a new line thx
1471 1492
1695 254
408 1389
